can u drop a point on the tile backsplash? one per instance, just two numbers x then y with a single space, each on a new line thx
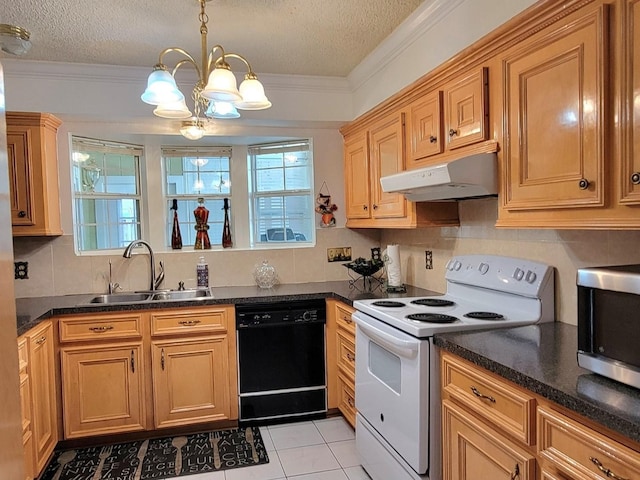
54 268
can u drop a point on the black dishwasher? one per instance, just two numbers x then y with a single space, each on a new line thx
281 360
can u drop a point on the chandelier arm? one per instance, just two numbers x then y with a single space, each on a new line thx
210 60
244 60
189 59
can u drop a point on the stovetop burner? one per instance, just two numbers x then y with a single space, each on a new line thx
388 304
432 317
433 302
484 316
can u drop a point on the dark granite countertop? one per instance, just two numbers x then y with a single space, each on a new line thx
542 359
31 311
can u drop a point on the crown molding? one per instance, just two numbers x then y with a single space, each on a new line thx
424 18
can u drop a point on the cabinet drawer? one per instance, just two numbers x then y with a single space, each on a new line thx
346 354
343 318
490 397
213 320
582 452
347 399
100 327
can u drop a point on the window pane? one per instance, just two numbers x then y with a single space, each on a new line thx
106 223
201 175
271 180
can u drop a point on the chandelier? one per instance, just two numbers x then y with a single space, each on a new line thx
215 94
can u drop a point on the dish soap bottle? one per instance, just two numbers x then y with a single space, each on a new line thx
202 273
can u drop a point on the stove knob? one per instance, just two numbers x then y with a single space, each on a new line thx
484 268
449 265
457 265
518 274
531 277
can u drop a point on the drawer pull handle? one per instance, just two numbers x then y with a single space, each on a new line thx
133 362
162 359
350 357
188 323
347 319
516 472
103 328
41 340
350 402
605 470
482 395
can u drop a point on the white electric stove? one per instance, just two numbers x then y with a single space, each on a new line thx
397 393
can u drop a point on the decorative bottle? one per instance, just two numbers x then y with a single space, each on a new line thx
202 273
176 237
202 236
226 230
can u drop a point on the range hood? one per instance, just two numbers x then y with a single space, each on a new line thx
466 177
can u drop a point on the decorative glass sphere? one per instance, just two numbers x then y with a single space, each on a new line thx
265 275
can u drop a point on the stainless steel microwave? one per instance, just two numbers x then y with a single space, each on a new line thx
609 322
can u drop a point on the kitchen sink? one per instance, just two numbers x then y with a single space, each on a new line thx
182 295
121 298
160 296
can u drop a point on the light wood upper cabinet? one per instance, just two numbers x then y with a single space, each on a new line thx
425 137
554 116
374 152
356 174
42 380
466 110
630 141
33 173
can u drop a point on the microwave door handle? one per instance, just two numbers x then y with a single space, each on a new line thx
403 348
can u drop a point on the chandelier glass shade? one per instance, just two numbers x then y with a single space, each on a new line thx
14 39
215 94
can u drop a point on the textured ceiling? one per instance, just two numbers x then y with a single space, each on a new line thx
302 37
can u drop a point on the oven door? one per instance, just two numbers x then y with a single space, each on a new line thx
392 387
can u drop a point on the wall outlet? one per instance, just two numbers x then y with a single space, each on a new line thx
428 260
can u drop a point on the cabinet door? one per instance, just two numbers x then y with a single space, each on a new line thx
103 389
20 172
356 174
43 392
472 450
387 157
554 118
466 110
25 403
424 130
190 381
630 179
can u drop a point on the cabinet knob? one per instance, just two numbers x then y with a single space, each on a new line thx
453 132
583 184
365 207
22 214
375 207
433 139
635 178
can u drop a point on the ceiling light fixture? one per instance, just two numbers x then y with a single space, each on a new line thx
14 40
215 95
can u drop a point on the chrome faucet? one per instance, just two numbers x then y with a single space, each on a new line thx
154 282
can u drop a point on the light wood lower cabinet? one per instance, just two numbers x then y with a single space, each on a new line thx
341 359
192 378
25 401
103 389
42 382
472 450
488 432
132 371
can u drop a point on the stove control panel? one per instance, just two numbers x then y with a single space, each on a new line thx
507 274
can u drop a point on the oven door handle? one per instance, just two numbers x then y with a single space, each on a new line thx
404 348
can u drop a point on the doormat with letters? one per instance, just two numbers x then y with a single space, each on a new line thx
161 457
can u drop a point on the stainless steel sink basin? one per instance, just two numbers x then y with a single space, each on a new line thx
182 295
121 298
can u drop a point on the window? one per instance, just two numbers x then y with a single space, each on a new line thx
106 193
281 179
192 173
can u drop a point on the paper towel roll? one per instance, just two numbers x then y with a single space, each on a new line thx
392 259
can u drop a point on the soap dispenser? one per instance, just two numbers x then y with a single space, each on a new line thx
202 273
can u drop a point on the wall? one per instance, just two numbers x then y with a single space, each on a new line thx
566 250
